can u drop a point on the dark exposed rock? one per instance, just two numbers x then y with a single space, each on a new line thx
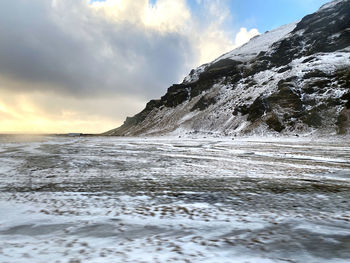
343 77
250 83
308 59
348 104
218 70
204 103
274 123
221 68
176 95
285 98
315 74
343 121
313 119
255 67
310 89
201 85
143 114
284 69
346 97
257 109
291 79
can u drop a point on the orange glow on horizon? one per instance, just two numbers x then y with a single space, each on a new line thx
27 119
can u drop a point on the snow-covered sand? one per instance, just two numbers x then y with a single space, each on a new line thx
174 199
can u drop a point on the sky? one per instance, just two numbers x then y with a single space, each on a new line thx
85 65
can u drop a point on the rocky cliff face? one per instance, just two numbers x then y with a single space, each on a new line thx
295 79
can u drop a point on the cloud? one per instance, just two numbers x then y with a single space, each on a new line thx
168 16
73 53
75 48
243 36
216 35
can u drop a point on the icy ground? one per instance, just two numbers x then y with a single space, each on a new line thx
174 200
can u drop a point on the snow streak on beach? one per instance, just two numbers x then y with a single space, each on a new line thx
174 200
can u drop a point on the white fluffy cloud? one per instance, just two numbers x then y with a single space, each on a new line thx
105 52
213 34
243 36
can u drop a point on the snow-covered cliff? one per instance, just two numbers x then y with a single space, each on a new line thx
295 79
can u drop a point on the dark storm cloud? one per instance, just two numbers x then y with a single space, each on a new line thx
72 50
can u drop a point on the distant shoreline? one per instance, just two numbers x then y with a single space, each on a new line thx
52 134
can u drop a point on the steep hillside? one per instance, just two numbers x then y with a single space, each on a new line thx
295 79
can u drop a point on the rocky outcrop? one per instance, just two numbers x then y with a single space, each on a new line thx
294 79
